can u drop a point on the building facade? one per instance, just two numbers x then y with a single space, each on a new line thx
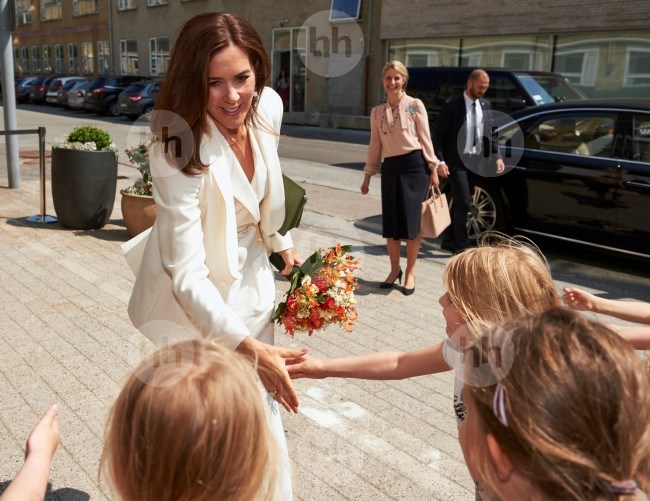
62 37
330 52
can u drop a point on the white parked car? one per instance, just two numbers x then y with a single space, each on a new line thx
55 87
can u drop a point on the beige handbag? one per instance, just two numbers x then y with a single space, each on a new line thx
435 214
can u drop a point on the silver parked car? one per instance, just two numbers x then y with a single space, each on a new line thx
77 94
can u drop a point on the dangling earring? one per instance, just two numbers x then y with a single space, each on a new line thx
256 96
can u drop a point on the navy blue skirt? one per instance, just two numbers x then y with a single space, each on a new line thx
404 184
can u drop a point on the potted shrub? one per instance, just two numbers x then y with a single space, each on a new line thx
84 178
138 207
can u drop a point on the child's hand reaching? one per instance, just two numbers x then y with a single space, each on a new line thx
306 367
31 480
44 438
577 299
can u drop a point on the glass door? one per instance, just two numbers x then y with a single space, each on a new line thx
289 72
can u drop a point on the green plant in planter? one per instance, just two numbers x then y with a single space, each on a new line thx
87 138
139 157
84 178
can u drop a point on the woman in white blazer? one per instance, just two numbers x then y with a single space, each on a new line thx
219 196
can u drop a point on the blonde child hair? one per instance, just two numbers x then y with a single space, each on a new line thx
500 279
189 424
572 415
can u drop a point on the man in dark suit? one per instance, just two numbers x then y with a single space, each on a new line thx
463 144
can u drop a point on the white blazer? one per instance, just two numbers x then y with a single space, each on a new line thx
190 257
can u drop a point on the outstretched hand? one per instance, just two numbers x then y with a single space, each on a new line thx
306 367
577 299
272 370
44 438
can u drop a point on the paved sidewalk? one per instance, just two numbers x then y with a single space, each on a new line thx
65 337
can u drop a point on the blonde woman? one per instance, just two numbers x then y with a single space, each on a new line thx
569 420
189 424
399 133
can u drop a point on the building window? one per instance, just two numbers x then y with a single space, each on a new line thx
51 10
58 58
637 67
24 56
345 10
87 59
158 55
36 59
125 4
103 57
84 7
579 66
47 59
73 59
23 12
18 68
152 3
129 57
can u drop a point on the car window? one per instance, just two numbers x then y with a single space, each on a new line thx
501 89
641 150
579 134
132 89
548 89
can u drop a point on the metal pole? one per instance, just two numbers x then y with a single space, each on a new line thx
42 217
9 92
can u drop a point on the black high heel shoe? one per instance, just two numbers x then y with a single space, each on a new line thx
408 292
389 285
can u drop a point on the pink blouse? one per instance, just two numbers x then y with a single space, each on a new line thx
408 132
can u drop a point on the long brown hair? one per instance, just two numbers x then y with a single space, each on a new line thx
184 91
575 413
190 424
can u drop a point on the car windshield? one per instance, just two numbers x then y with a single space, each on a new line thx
548 89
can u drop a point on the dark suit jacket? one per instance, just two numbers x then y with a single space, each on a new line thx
451 132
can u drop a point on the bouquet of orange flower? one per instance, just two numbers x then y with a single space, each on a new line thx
321 293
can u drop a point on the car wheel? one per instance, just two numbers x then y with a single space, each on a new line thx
487 210
114 109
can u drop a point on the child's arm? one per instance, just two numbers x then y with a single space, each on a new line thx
382 365
638 337
31 480
633 311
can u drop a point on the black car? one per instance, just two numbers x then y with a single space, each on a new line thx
576 171
138 99
22 89
103 91
38 90
509 90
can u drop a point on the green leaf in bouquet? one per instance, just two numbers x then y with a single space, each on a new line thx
282 307
312 264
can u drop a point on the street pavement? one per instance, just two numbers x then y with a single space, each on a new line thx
65 337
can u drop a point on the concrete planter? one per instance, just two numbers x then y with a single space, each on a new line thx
84 185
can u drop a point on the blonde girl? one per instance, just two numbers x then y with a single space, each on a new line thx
569 420
501 279
189 425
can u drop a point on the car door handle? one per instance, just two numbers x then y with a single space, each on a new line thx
637 184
